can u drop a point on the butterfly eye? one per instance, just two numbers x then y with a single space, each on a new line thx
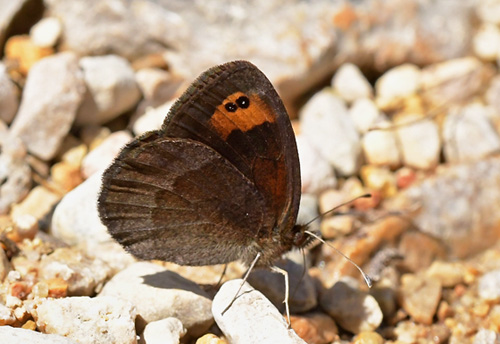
231 107
243 102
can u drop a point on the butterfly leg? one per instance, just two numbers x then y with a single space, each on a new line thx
243 282
287 291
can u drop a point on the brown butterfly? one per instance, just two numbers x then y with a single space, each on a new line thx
220 181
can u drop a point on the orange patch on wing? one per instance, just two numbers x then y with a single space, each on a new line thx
243 119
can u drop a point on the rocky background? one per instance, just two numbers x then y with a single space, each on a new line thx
399 98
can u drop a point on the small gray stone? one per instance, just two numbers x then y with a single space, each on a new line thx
420 142
158 293
112 89
469 135
354 310
489 286
53 92
251 318
88 320
164 331
9 101
327 126
46 32
350 84
102 156
84 225
15 335
15 173
303 296
315 172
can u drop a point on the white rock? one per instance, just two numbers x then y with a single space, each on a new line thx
315 172
152 119
419 141
484 336
365 114
158 293
53 92
84 225
164 331
489 286
251 318
16 335
486 42
8 96
112 89
7 317
46 32
350 84
381 148
397 83
157 84
102 156
489 11
88 320
327 126
453 80
469 135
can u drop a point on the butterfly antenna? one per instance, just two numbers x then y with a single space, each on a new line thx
335 208
367 278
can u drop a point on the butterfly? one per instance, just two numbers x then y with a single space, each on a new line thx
219 182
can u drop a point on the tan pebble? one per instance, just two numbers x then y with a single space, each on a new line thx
405 176
420 296
66 175
29 325
75 155
444 311
315 328
57 287
22 50
481 309
41 289
370 202
368 338
19 289
38 203
210 338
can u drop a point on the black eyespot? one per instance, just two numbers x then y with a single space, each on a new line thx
231 107
243 102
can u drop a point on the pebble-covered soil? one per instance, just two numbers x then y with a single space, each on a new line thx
400 99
